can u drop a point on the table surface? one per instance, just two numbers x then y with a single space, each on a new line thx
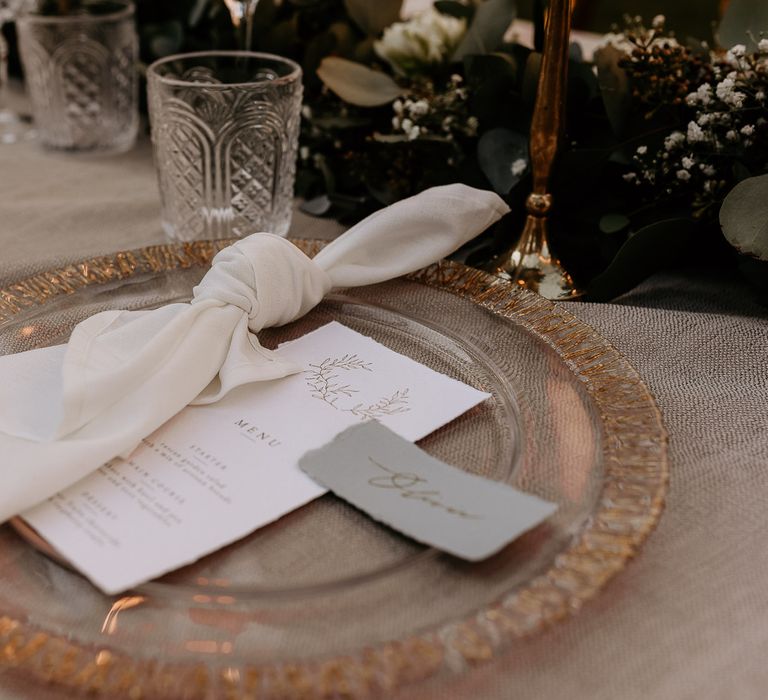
689 617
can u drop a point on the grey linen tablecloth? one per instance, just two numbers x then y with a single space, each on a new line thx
689 617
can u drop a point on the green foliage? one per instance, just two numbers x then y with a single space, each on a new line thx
503 157
489 24
357 84
652 248
744 217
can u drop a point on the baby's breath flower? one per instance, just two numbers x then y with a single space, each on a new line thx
736 52
695 133
762 46
418 108
675 139
707 169
642 150
518 166
683 175
658 21
747 130
687 162
731 135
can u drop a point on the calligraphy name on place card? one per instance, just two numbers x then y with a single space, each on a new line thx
420 496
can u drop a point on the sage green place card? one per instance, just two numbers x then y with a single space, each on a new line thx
396 483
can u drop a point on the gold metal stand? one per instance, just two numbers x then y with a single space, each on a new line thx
529 263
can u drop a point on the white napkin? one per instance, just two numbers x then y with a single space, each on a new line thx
66 410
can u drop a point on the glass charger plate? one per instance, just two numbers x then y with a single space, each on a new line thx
325 602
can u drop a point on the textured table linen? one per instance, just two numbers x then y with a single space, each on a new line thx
689 617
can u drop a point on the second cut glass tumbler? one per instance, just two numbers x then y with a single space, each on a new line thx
80 69
225 128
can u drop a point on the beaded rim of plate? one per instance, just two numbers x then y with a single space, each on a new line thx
628 508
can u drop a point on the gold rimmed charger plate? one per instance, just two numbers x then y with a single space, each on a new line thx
325 603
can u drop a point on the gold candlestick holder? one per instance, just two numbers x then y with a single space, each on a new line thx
529 262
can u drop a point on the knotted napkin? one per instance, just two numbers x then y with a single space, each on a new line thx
68 409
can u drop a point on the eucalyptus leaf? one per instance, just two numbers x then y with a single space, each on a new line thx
613 223
743 23
491 20
356 83
497 151
614 86
650 249
317 206
744 217
373 16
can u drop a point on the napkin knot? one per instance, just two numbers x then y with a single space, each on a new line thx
267 277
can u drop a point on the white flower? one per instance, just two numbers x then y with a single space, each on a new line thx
423 42
658 21
395 122
760 96
675 139
397 105
710 185
472 124
683 175
642 150
735 53
629 177
418 108
304 153
306 112
762 46
725 91
407 125
732 135
695 133
687 162
747 130
707 169
518 166
704 93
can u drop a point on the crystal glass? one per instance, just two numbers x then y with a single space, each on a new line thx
81 75
225 128
12 127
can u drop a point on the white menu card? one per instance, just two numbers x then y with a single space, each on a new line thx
215 473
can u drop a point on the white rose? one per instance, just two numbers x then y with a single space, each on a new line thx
425 41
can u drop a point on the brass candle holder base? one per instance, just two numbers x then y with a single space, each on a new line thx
529 263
